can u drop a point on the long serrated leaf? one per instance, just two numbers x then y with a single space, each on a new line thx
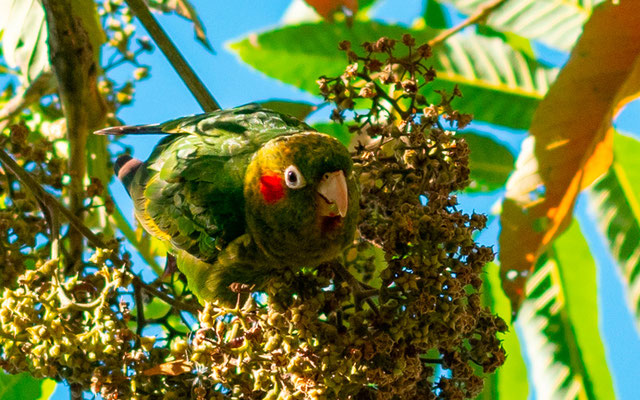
559 321
185 9
555 23
338 131
23 31
571 139
490 162
298 109
616 202
26 50
509 382
24 386
500 85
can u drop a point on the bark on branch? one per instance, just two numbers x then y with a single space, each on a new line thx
74 64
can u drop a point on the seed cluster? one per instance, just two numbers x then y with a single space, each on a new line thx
400 317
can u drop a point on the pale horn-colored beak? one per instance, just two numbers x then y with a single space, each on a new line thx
333 195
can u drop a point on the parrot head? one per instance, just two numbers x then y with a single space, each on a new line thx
301 199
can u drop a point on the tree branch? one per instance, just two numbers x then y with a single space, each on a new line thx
481 13
74 64
179 64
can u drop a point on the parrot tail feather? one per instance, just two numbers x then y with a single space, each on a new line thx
131 130
125 168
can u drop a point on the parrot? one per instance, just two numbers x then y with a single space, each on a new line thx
241 195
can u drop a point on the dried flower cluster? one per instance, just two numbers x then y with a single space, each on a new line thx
400 318
20 219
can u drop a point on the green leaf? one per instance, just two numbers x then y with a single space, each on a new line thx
176 323
338 131
25 387
156 309
490 162
500 85
298 109
559 321
435 15
555 23
616 202
509 381
24 34
364 5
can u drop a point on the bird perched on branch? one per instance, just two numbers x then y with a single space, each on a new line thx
240 195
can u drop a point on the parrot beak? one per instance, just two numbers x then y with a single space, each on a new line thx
334 196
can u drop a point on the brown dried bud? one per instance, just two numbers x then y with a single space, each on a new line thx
351 71
384 44
368 91
424 51
368 47
18 134
374 65
409 86
237 287
408 40
95 188
323 86
344 45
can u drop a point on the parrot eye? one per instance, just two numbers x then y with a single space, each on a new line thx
293 177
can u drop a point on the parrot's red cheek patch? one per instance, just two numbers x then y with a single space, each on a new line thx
271 188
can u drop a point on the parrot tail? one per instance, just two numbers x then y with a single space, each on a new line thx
131 130
125 168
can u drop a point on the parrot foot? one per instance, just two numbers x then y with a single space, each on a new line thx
361 291
170 266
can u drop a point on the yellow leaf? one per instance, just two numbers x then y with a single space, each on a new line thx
571 139
326 8
172 368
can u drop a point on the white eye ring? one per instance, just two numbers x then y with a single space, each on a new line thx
293 178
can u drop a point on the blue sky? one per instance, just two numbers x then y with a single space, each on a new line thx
233 83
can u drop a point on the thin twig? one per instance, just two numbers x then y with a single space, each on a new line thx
165 297
76 391
481 13
380 91
432 360
137 292
186 73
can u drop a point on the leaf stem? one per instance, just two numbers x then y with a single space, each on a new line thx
179 64
481 13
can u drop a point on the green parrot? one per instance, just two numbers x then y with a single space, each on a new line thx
241 195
